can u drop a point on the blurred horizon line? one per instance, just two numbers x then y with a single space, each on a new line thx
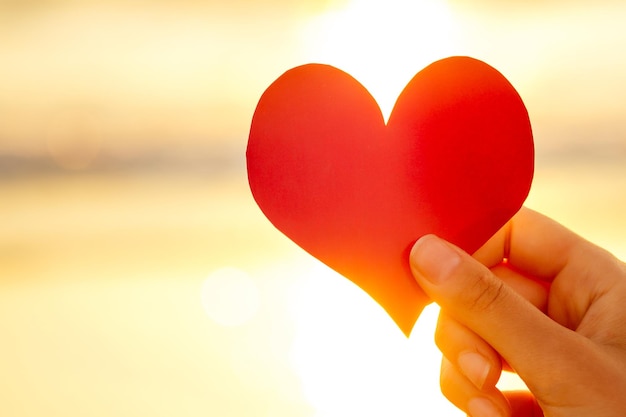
227 159
202 162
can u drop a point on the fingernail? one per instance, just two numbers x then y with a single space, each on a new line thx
475 367
433 259
482 407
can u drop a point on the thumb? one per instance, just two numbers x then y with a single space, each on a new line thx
528 340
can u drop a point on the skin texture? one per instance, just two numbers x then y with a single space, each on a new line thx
538 300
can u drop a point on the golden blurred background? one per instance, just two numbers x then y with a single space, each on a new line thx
137 275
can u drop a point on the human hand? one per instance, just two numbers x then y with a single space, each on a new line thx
537 298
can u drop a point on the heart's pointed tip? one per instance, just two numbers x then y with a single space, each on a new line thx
407 327
407 331
407 321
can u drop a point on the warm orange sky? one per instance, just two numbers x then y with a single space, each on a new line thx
132 76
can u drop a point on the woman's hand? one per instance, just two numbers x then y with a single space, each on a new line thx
536 298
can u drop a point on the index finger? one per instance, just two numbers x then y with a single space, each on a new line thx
534 245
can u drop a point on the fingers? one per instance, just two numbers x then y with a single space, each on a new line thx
536 254
532 243
470 369
523 404
488 402
473 296
533 290
475 359
468 358
503 310
539 247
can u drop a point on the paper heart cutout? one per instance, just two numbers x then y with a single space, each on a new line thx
456 158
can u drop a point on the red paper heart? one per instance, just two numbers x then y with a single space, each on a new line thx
455 159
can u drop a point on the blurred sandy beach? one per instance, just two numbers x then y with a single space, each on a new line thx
137 275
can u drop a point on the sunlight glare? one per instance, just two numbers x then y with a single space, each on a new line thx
353 360
230 297
383 44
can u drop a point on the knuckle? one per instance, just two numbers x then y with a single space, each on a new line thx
441 339
448 334
485 293
445 375
441 332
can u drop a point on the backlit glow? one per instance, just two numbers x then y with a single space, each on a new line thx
383 44
230 297
353 360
